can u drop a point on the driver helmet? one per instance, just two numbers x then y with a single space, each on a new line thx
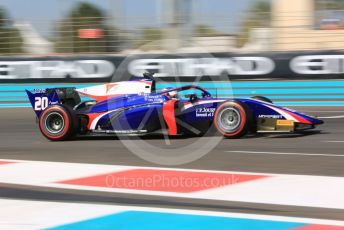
171 94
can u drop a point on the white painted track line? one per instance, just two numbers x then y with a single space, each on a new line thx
325 111
334 141
283 153
332 117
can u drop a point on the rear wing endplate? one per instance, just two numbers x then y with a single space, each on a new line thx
40 99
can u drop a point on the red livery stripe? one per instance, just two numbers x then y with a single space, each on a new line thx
169 116
91 117
299 118
101 97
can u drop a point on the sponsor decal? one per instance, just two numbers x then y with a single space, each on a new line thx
270 116
153 98
205 112
285 123
188 67
81 69
39 90
318 64
56 69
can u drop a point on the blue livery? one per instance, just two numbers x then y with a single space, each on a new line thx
136 107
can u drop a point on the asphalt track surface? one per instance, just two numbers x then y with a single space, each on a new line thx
320 152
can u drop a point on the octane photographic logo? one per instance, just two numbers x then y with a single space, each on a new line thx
161 148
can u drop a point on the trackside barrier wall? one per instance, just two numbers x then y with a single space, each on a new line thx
287 93
289 78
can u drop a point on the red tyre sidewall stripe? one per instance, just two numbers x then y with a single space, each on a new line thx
65 116
242 122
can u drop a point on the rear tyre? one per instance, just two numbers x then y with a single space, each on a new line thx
57 123
232 119
261 98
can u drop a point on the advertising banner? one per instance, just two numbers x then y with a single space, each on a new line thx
181 67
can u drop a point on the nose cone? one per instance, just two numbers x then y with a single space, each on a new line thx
319 122
314 120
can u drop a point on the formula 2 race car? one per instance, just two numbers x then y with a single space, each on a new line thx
135 107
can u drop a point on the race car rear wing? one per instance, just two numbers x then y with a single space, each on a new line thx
40 99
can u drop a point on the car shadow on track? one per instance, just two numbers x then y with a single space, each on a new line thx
298 134
179 137
142 137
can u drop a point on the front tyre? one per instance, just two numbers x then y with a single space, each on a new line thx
231 119
56 123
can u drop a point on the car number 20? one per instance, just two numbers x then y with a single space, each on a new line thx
41 103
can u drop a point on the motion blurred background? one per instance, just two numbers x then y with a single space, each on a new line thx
128 26
288 50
